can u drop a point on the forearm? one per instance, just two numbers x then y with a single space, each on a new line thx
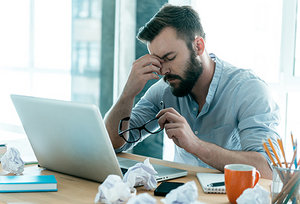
120 110
218 157
143 69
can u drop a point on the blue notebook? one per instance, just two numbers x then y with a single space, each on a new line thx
25 183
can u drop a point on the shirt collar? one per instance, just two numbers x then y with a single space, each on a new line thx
216 79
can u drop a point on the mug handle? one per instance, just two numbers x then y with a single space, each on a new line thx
257 176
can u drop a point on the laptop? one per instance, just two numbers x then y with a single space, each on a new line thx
71 138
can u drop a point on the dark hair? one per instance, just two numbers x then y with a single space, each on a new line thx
183 19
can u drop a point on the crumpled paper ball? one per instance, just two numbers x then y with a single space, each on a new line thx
141 174
11 161
256 195
113 190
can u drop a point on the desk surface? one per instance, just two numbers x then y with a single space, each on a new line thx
75 190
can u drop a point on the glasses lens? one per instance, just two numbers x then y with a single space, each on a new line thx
134 135
153 126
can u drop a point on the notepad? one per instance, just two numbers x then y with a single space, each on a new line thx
26 183
206 179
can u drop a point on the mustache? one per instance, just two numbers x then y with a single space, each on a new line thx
171 76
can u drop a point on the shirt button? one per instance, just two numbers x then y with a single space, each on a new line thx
195 109
196 132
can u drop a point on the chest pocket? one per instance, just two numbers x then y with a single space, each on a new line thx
226 136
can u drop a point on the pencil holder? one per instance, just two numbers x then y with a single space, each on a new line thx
285 185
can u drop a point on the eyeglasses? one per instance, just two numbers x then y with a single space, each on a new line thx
150 126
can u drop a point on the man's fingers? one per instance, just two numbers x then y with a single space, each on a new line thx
167 110
171 133
151 75
171 126
149 69
147 60
168 117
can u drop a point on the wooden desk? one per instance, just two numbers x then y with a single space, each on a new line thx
75 190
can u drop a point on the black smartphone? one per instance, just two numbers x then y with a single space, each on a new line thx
165 187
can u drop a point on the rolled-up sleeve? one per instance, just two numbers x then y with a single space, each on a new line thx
258 117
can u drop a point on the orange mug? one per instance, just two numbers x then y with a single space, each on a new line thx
239 177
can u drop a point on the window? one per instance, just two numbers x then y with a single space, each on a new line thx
297 54
289 66
246 34
52 49
35 54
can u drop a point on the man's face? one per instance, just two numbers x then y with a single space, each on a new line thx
179 64
192 70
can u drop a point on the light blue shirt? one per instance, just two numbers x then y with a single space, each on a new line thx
239 112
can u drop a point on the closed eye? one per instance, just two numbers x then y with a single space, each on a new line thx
170 59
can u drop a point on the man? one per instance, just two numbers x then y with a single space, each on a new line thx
215 113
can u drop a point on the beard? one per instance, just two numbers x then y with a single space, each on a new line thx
193 70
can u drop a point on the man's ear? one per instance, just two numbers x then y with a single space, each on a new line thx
199 45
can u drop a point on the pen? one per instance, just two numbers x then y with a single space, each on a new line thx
294 156
294 143
216 184
295 149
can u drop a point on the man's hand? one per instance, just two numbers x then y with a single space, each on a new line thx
177 129
143 69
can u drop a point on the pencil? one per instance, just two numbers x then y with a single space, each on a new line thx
274 151
282 151
292 137
269 154
294 143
